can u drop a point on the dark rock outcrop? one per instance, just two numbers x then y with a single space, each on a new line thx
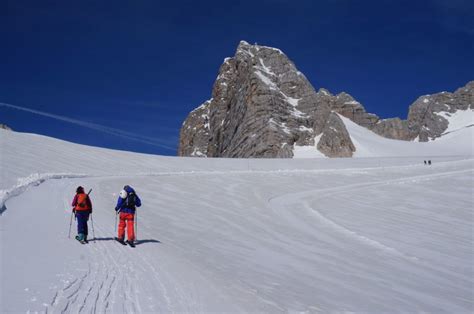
5 127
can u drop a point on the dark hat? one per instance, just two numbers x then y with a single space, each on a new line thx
80 189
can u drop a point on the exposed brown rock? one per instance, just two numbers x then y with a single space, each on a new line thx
336 141
425 120
262 106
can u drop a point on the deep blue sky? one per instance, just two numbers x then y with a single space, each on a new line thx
141 66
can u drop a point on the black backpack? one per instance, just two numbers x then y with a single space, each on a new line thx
131 200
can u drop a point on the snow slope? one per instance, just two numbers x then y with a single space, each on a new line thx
458 120
315 235
458 139
369 144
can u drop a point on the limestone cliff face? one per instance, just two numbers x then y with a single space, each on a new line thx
194 136
393 128
335 140
350 108
262 106
426 117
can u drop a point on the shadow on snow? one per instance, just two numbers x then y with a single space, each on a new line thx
137 242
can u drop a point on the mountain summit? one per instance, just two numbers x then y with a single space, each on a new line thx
262 106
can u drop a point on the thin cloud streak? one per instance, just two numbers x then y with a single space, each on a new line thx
97 127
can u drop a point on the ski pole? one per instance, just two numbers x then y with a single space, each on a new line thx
116 214
136 226
93 232
70 224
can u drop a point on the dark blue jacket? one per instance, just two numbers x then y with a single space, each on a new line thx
122 206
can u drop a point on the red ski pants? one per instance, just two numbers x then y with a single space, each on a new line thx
126 221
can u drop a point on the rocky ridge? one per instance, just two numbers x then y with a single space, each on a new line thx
262 106
427 115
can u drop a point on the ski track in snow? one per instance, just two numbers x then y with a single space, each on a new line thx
217 239
106 280
32 180
282 202
102 278
113 286
36 179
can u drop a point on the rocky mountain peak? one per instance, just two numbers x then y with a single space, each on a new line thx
263 106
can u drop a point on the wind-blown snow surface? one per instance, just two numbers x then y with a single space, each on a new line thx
319 235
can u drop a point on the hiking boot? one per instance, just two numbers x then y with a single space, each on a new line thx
120 240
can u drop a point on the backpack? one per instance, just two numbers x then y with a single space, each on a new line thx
131 200
81 201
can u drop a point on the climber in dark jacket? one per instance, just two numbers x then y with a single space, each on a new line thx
82 208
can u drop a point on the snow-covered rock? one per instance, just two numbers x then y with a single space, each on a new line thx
195 132
427 118
262 106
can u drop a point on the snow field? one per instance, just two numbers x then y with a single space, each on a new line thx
216 235
274 242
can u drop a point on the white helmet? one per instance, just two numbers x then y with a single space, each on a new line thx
123 194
